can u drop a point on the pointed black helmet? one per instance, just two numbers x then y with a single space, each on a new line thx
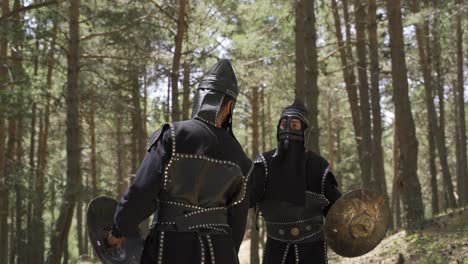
217 87
221 78
296 110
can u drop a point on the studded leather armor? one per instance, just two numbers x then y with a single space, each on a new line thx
197 191
290 223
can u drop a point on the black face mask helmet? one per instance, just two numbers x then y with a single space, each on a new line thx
217 86
286 135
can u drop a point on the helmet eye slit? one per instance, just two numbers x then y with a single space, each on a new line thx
290 123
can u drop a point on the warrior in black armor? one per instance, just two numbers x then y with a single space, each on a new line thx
294 189
194 178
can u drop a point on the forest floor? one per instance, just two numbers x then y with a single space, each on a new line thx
443 239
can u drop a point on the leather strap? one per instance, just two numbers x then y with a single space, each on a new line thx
183 219
292 231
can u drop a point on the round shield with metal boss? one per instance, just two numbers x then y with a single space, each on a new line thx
357 222
99 220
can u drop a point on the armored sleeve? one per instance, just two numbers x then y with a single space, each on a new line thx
140 199
237 214
332 192
259 180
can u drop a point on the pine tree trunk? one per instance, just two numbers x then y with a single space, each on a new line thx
246 139
255 118
66 254
15 219
350 80
311 75
176 61
3 187
93 158
32 169
144 117
86 199
38 237
339 177
3 175
349 47
270 123
440 89
53 203
17 233
35 229
462 159
399 217
378 170
300 50
134 118
458 169
254 238
59 235
439 80
331 152
262 118
79 204
438 85
10 170
396 188
32 163
11 227
121 165
364 107
432 115
186 92
19 193
13 155
168 101
433 172
93 161
36 51
79 226
408 144
133 148
138 133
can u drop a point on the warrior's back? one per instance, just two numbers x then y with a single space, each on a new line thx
206 174
205 168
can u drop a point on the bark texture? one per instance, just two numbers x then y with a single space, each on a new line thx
62 225
175 114
405 128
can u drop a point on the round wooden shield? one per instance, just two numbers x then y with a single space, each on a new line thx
99 220
357 222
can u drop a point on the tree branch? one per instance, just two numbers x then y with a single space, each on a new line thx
26 8
90 36
171 17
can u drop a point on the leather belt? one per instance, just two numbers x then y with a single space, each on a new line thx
294 231
174 217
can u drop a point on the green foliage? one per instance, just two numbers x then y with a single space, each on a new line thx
124 39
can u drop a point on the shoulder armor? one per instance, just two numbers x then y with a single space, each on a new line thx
259 158
155 137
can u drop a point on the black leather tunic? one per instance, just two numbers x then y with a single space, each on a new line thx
294 233
198 189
